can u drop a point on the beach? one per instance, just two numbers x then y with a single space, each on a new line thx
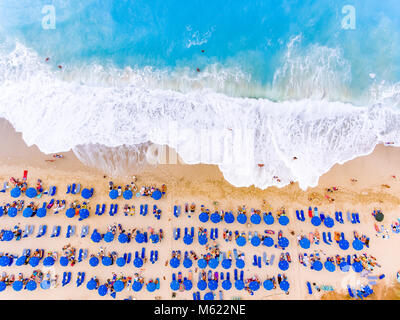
203 185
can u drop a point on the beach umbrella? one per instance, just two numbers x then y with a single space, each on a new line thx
120 262
379 216
86 193
226 263
357 266
48 261
284 285
113 194
119 285
34 261
317 265
315 221
108 237
94 261
202 239
4 261
201 285
269 219
8 235
226 285
254 285
154 238
123 238
31 192
329 266
358 245
268 241
70 213
106 261
127 194
17 285
138 262
343 244
188 239
21 261
41 212
202 263
268 284
156 195
139 237
305 243
329 222
92 284
213 263
344 266
283 242
46 284
102 290
31 285
240 263
83 214
2 286
283 265
96 237
12 212
255 218
174 263
203 217
255 241
215 217
28 212
212 285
239 284
151 286
229 217
174 285
137 286
241 218
187 263
283 220
16 192
1 211
64 261
209 296
241 241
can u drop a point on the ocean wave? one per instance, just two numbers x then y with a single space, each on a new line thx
253 141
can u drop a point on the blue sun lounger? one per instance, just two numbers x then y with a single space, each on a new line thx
324 238
259 262
271 261
309 288
254 260
84 231
177 211
42 231
357 216
322 216
56 232
66 278
348 216
351 294
298 215
69 188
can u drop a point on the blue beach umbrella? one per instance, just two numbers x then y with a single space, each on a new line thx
31 285
239 284
138 262
284 285
213 263
209 296
240 263
151 286
226 263
329 266
91 285
8 235
34 261
345 267
64 261
137 286
139 238
358 245
254 286
94 261
119 286
202 239
344 244
70 213
268 241
317 265
212 285
269 219
41 212
305 243
15 193
283 242
86 193
120 262
106 261
187 263
315 221
12 212
283 265
202 263
156 195
1 211
4 261
174 263
201 285
255 241
123 238
188 239
83 214
226 285
154 238
128 194
113 194
241 218
96 237
45 284
255 218
21 261
215 218
108 237
102 290
329 223
17 285
31 192
241 241
229 217
28 212
203 217
174 285
283 220
357 266
268 285
48 261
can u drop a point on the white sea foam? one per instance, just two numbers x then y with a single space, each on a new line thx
58 115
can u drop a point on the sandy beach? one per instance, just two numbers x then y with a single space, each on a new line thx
377 187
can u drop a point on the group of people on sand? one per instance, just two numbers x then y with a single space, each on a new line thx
37 275
70 253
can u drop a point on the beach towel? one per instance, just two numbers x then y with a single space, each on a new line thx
271 261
